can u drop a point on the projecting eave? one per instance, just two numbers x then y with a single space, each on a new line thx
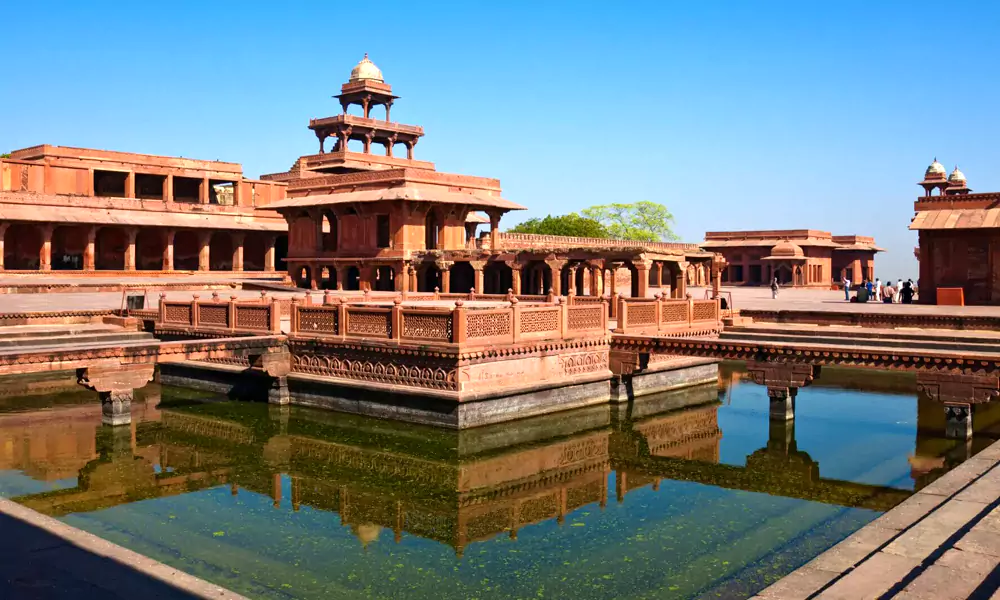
410 193
964 218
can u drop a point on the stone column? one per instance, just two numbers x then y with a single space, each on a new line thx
168 189
168 249
130 184
45 253
642 268
958 421
238 239
3 234
204 250
494 230
367 273
782 401
477 267
90 252
402 278
341 276
203 192
555 268
680 281
269 254
515 272
412 272
130 234
657 275
445 268
115 385
571 281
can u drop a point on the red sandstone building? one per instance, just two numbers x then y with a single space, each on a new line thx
797 257
84 210
959 237
386 221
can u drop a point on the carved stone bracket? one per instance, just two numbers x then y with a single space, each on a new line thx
782 375
959 388
116 384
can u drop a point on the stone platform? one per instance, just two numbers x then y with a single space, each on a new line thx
943 543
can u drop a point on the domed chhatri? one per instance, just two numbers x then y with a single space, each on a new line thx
788 249
935 171
366 70
957 176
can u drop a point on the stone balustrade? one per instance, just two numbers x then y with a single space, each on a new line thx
461 324
667 316
261 316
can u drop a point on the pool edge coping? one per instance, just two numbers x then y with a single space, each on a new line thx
130 559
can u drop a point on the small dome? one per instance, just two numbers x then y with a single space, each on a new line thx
956 176
936 169
787 249
366 70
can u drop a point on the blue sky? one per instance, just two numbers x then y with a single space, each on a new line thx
736 115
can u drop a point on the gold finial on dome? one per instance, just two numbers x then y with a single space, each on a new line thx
956 176
366 70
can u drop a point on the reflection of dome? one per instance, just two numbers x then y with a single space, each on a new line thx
935 171
366 69
956 176
787 249
366 533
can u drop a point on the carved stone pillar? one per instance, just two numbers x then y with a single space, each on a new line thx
680 280
445 268
656 275
782 401
90 252
204 250
130 234
412 270
478 267
958 421
571 280
238 239
168 249
269 255
555 268
642 268
515 272
45 254
115 386
494 230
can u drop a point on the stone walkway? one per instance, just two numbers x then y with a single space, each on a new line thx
943 543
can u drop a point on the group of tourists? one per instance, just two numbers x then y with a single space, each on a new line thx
903 292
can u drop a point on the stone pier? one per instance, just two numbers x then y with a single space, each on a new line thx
783 381
116 384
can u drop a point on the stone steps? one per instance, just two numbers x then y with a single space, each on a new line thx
76 344
72 337
48 330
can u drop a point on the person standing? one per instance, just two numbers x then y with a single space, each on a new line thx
907 293
899 291
774 288
878 290
847 289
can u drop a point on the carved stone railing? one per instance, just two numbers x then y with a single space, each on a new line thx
460 324
509 240
217 315
655 316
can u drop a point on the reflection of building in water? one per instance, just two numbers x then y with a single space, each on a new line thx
452 487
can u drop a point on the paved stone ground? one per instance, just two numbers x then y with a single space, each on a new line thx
943 543
41 558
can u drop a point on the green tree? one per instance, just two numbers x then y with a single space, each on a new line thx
642 221
569 225
5 155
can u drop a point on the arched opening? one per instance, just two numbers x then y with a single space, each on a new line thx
68 245
331 240
150 245
784 274
352 281
463 278
220 251
429 278
22 247
582 273
254 252
303 277
328 278
432 231
186 248
498 277
536 278
110 247
385 279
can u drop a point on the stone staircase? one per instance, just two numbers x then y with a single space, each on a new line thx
36 338
956 343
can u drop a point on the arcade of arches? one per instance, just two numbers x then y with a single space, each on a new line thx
28 246
523 272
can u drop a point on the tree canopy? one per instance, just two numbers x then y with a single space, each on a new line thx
5 155
569 225
642 221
